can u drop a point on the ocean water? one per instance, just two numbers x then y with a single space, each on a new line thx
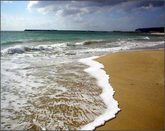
49 79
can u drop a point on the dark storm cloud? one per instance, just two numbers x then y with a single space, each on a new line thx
154 3
137 3
85 7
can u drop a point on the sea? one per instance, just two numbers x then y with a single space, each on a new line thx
51 81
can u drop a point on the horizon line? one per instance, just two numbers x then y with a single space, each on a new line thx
86 30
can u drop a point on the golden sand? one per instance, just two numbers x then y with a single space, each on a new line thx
138 80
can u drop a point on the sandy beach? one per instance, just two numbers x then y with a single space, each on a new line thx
138 80
157 33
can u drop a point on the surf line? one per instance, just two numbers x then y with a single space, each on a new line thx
95 69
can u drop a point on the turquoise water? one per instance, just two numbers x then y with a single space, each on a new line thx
44 85
12 37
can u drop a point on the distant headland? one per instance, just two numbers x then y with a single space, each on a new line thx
38 30
150 30
64 30
139 30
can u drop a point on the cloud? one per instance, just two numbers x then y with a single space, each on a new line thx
100 14
31 4
65 8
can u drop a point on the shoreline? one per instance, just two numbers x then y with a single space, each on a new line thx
157 34
95 69
138 85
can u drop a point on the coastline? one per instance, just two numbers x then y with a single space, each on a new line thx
33 64
95 69
157 33
138 80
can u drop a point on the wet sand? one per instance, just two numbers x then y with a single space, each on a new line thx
138 80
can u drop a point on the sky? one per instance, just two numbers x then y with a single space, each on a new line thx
99 15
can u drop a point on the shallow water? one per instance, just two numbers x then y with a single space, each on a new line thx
43 84
56 97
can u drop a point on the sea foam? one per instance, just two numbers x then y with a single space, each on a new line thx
96 70
85 42
19 49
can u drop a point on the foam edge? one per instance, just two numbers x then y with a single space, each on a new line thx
95 69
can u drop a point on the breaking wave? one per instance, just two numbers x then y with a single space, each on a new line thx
86 42
118 45
19 49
